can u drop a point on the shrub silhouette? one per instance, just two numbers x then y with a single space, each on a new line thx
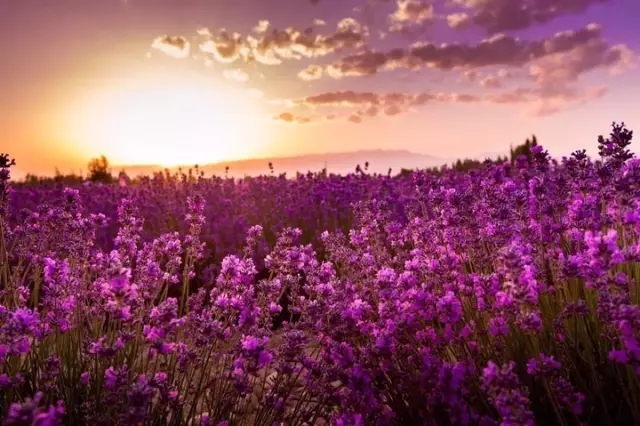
99 170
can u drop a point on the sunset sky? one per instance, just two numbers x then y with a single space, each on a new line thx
200 81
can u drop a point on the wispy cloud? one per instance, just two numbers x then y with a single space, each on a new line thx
497 50
411 12
176 46
370 104
554 72
236 75
261 27
312 72
364 105
223 47
496 16
273 46
541 72
290 118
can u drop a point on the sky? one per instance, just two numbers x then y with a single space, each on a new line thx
201 81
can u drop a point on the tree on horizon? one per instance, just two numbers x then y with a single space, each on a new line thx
99 170
524 149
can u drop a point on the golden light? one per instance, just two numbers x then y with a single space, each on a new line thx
169 122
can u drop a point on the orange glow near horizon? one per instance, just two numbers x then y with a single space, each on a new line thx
167 122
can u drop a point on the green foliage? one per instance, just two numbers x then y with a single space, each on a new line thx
405 172
524 149
59 178
99 170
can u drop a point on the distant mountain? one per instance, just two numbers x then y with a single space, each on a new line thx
341 163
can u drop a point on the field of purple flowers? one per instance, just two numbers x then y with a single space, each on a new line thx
507 295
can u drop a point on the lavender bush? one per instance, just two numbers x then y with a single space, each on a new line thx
507 295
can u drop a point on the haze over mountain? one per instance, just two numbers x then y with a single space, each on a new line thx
340 163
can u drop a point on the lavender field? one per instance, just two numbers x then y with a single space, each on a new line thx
506 295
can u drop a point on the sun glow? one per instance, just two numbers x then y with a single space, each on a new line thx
169 123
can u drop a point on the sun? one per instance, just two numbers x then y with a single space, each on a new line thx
169 122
